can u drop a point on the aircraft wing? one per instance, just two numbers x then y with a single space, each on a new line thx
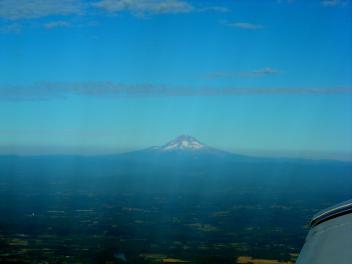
329 240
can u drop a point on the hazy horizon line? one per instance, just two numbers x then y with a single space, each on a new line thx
56 90
31 151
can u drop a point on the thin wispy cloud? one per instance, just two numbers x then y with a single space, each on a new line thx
141 7
326 3
30 9
33 9
331 3
48 91
57 24
220 9
245 25
244 74
155 7
11 28
285 1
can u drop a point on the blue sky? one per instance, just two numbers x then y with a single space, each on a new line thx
102 76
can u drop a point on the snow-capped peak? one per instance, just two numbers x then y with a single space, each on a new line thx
183 142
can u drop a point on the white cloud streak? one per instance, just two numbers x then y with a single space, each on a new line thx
245 25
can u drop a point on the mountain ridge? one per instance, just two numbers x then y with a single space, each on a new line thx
184 149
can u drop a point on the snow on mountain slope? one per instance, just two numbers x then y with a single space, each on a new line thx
183 142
